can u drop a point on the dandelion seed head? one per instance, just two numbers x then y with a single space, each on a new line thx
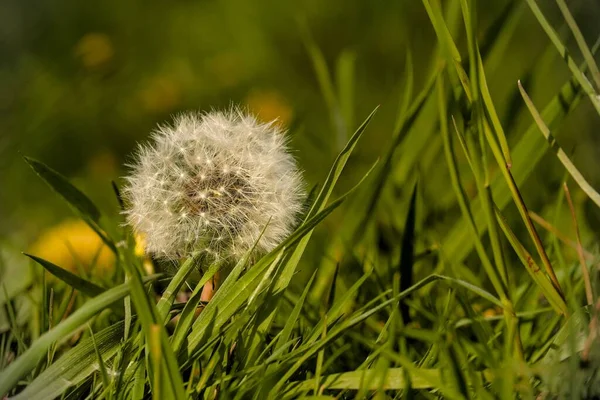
212 182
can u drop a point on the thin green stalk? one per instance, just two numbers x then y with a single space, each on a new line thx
546 287
577 73
27 361
460 194
562 156
168 297
585 50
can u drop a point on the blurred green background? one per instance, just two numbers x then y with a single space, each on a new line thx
82 83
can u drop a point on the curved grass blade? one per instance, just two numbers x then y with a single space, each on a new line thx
292 261
61 185
407 252
83 285
562 156
309 349
227 302
583 47
186 318
78 201
353 380
553 296
564 53
74 366
456 243
27 361
168 297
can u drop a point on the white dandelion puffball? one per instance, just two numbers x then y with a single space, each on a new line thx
213 182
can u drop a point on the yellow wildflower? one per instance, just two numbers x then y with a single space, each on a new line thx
269 106
94 50
72 245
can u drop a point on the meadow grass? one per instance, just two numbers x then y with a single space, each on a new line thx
498 304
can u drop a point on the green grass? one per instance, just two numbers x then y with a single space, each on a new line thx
481 305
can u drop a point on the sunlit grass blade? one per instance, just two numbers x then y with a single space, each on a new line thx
459 190
186 318
70 193
84 286
562 156
319 204
74 366
27 361
154 331
78 201
554 297
100 359
227 302
168 297
564 53
583 47
455 242
441 30
394 379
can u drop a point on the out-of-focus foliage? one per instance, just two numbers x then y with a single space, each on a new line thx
80 84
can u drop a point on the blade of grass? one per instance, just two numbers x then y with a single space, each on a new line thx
27 361
589 292
291 263
562 156
168 297
101 365
84 286
583 47
286 332
558 234
406 266
394 380
564 53
151 320
441 30
227 302
456 243
544 284
459 191
78 201
186 318
74 366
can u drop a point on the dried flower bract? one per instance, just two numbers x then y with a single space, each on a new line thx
212 182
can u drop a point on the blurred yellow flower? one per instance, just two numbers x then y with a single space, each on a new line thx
140 251
94 50
268 106
161 94
140 245
492 312
72 245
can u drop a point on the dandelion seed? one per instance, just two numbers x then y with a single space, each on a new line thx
224 177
